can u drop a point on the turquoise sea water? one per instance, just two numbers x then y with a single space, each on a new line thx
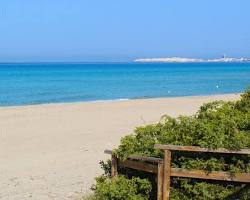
22 84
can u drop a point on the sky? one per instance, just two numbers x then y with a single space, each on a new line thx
118 30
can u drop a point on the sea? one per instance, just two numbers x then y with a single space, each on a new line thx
42 83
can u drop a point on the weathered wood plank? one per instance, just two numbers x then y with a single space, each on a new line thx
110 152
199 149
214 175
139 166
160 175
137 157
114 166
167 174
147 159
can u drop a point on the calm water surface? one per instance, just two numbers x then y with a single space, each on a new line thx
22 84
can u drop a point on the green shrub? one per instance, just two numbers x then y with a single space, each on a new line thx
188 190
216 125
121 188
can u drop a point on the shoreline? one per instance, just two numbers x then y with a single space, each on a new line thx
52 151
115 100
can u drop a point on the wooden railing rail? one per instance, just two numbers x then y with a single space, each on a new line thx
162 167
200 174
137 157
199 149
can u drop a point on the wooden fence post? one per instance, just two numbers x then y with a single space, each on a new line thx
160 175
114 166
167 174
164 171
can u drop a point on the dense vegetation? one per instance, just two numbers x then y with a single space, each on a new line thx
215 125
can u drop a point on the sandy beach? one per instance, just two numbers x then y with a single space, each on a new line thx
52 151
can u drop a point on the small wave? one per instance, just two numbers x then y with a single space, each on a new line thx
108 100
143 97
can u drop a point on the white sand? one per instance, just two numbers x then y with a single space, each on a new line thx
52 151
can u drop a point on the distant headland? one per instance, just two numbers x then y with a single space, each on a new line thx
183 60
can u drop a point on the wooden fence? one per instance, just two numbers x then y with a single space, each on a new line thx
164 171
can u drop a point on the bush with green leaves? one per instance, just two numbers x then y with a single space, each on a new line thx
216 125
121 188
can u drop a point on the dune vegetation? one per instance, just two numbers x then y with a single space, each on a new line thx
216 125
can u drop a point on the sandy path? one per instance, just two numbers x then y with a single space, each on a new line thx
52 151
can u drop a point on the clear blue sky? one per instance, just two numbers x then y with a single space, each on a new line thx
120 30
